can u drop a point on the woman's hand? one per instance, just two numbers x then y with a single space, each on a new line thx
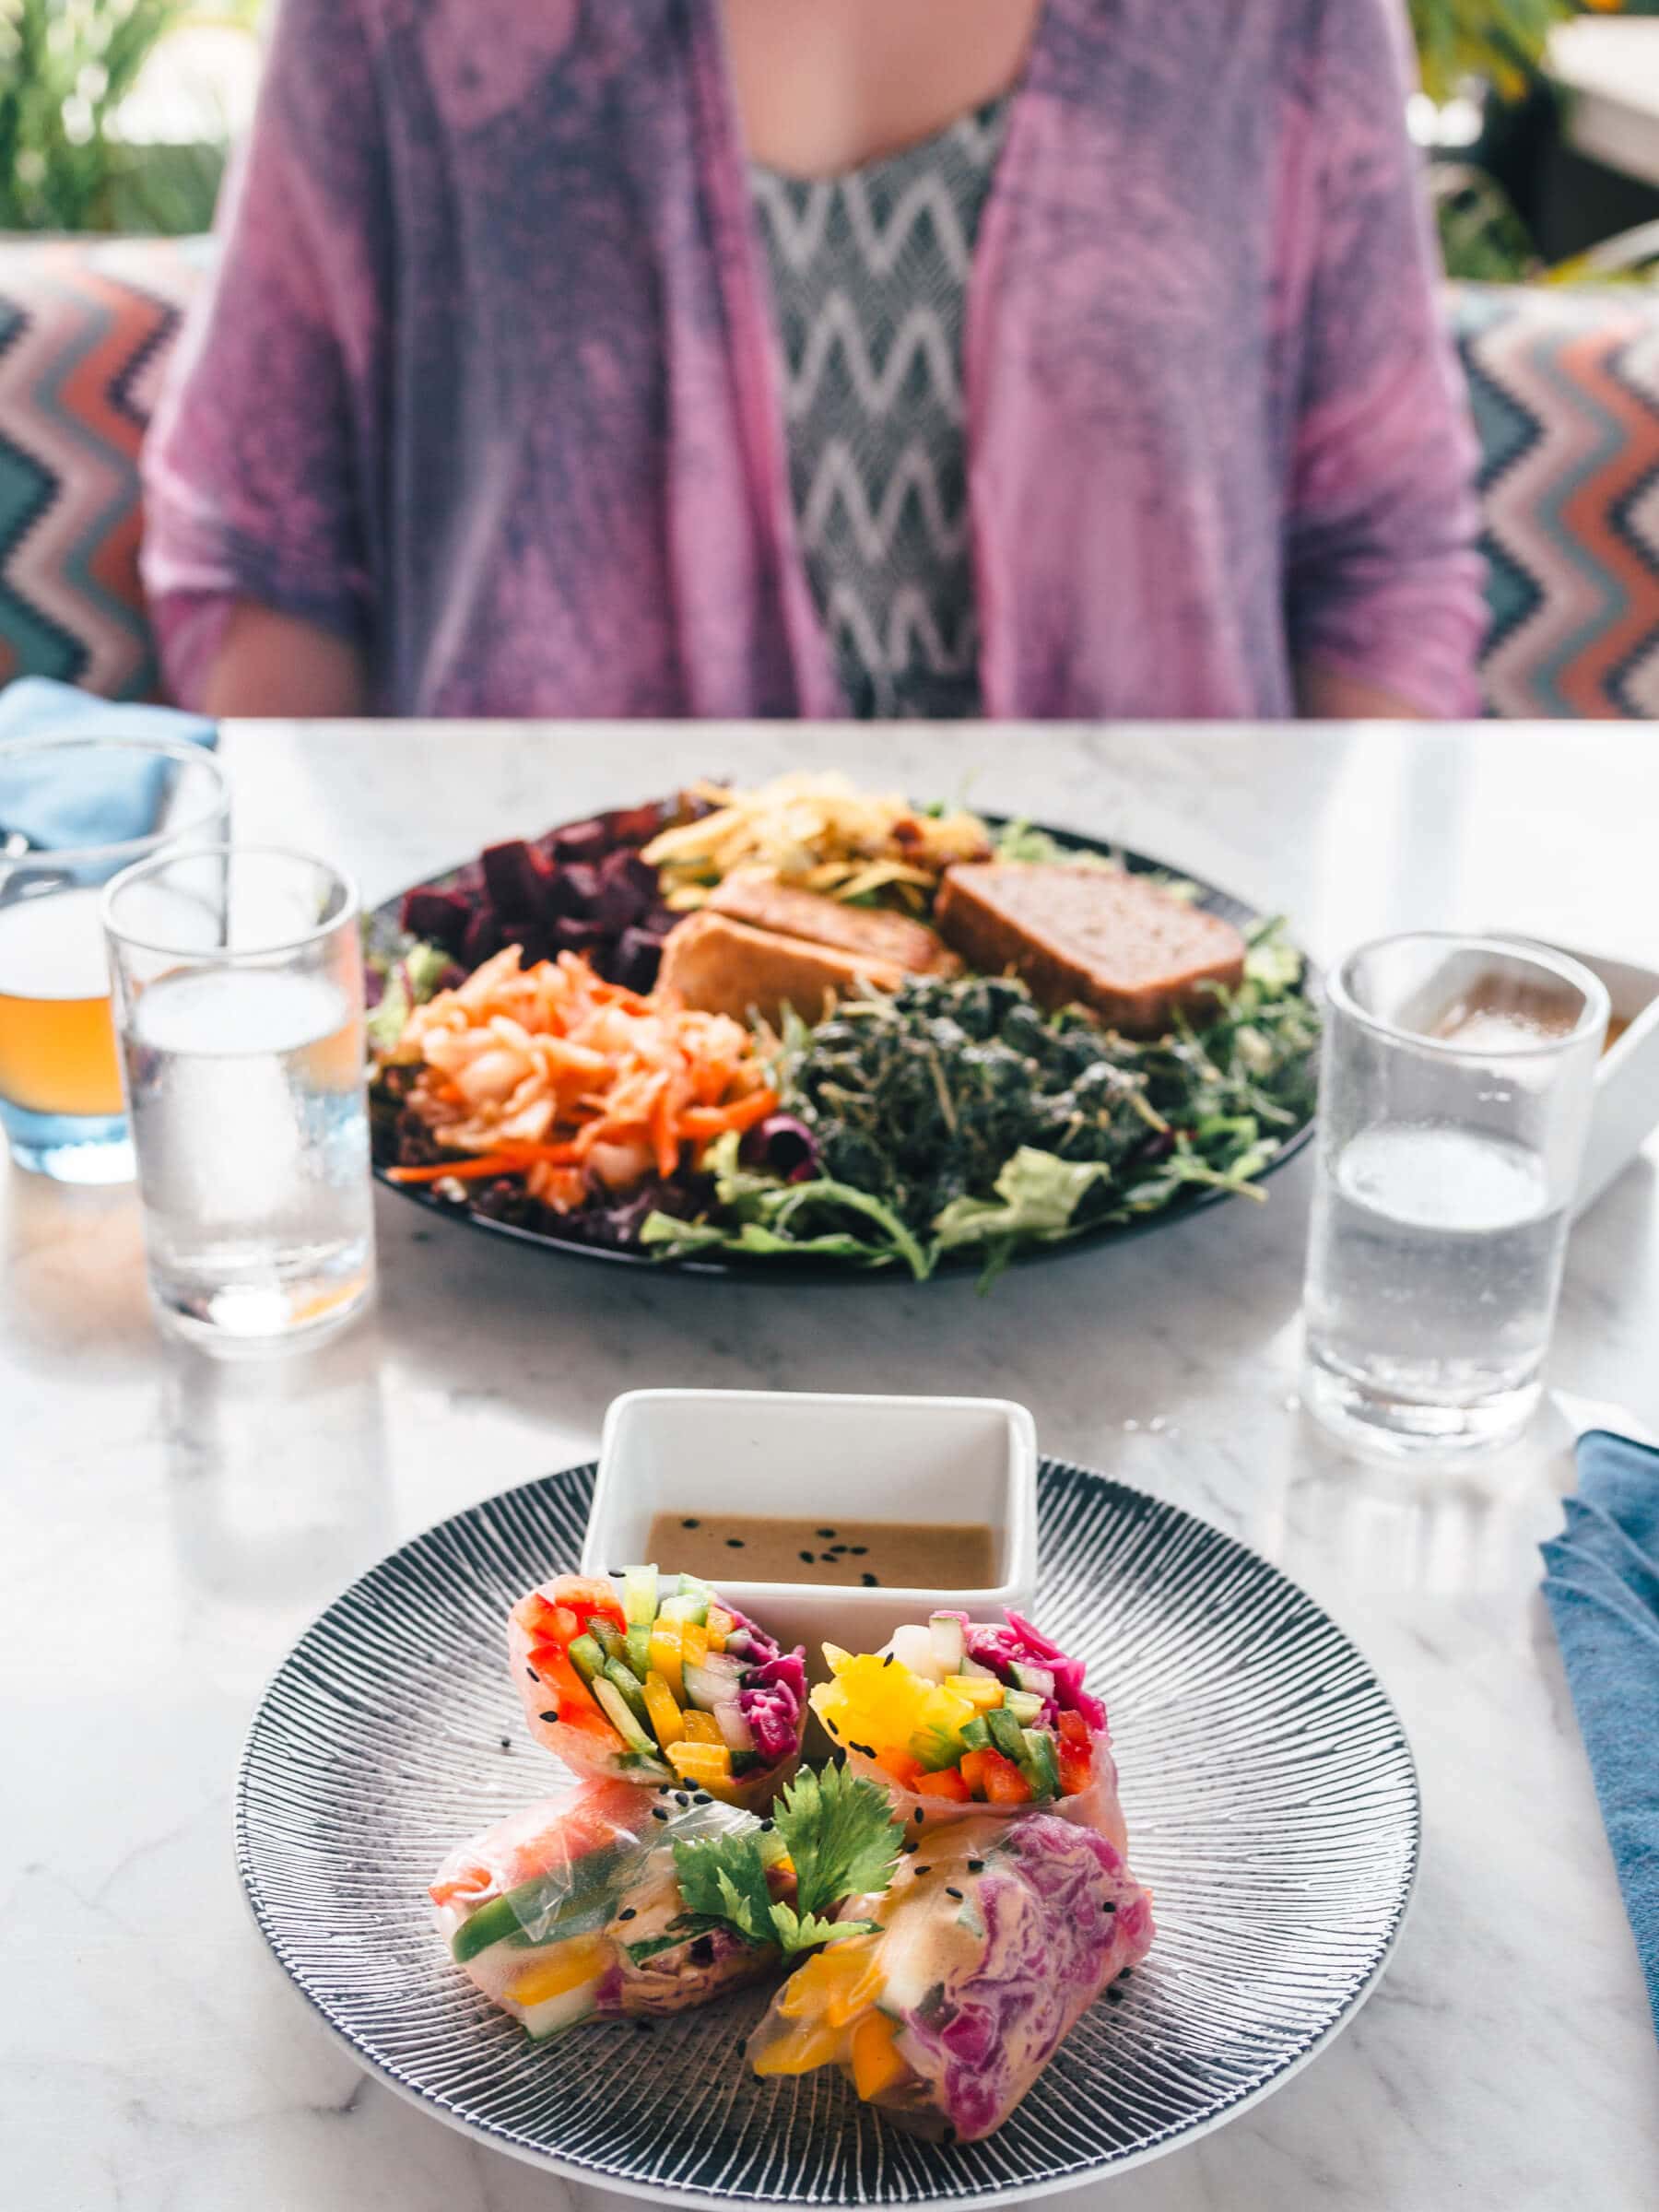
273 664
1327 695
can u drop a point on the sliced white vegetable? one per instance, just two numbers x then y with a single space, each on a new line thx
734 1728
913 1647
950 1649
713 1682
1033 1677
975 1672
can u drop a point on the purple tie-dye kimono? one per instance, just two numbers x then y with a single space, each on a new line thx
486 382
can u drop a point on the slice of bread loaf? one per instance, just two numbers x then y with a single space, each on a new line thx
754 896
724 967
1100 937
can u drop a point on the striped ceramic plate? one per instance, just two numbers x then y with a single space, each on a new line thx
1273 1810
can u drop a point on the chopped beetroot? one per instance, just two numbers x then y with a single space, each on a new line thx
635 960
574 889
570 932
482 939
439 917
516 876
635 824
626 887
580 840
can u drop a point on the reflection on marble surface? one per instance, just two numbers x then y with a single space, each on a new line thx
167 1527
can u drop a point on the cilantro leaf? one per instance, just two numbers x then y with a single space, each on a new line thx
841 1835
724 1878
805 1932
841 1839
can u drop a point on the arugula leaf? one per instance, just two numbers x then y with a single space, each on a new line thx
841 1835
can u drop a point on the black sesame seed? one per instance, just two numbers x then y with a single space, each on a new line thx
825 1534
976 1866
681 1797
1114 1996
692 1524
658 1813
506 1743
807 1557
1107 1905
867 1749
910 1847
767 1827
889 1659
858 1550
701 1798
734 1543
532 1675
836 1548
627 1912
921 1816
870 1582
920 1871
950 1892
553 1715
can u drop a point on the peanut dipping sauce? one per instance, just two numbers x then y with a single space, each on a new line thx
894 1554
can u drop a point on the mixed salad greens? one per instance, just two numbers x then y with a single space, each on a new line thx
953 1118
957 1115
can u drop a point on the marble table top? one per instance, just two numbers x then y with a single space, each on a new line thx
167 1524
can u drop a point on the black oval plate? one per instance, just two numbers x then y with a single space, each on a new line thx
384 930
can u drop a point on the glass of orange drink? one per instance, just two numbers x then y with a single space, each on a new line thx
74 812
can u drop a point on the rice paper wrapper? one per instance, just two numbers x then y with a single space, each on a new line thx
995 1938
563 1911
597 1753
1097 1807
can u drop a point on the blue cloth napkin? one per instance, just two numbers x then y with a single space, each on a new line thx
1602 1582
59 807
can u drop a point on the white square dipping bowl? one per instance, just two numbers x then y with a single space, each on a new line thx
803 1453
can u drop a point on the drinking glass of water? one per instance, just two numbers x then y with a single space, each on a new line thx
238 1004
1455 1097
74 812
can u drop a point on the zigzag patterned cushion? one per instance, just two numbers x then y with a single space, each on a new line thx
1565 387
84 331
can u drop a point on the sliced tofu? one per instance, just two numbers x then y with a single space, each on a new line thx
724 967
754 896
1094 936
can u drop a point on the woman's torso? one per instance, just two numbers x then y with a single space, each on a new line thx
566 444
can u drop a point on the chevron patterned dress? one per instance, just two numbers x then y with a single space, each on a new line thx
869 277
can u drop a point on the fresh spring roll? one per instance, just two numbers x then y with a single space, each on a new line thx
960 1717
992 1941
659 1681
563 1911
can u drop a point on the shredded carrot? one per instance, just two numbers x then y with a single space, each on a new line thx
714 1121
464 1170
553 1074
